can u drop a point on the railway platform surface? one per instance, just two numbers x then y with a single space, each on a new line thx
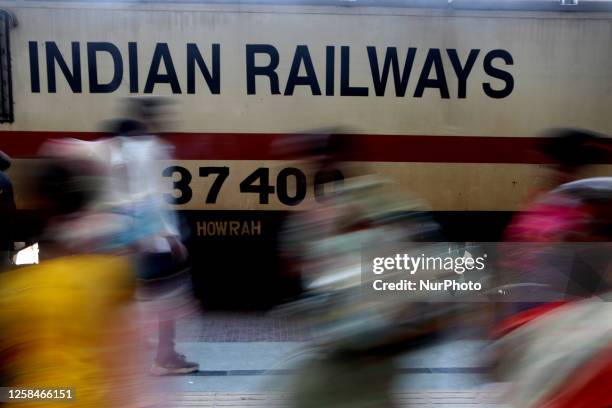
424 399
254 367
248 360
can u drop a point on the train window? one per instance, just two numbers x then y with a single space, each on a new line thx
6 86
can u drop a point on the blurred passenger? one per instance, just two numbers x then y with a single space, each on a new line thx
562 359
136 189
563 214
7 214
67 322
555 351
554 216
95 229
357 338
349 200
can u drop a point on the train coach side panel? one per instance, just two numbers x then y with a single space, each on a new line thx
469 74
446 103
238 73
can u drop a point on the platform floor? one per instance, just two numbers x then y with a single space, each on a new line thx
424 399
248 359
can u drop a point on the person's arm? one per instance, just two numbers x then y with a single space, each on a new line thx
168 217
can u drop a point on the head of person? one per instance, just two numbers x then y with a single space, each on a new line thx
319 149
128 127
572 150
152 111
5 161
67 186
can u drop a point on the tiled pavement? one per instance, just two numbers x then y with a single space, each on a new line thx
239 327
424 399
215 326
242 356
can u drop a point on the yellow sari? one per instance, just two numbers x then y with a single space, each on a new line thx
63 325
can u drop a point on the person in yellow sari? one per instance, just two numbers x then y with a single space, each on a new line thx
66 323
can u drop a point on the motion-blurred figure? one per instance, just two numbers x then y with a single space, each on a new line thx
136 190
554 343
559 354
562 359
554 215
351 203
67 322
7 213
563 214
357 339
